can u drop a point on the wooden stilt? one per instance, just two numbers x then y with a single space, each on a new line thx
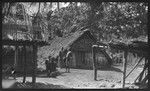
134 67
94 63
16 60
34 63
24 61
124 67
16 57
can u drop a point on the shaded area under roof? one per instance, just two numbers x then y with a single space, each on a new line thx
23 42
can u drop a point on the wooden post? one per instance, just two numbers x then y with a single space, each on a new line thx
142 73
94 62
59 62
138 77
146 62
24 61
59 59
16 57
134 67
124 67
144 80
34 63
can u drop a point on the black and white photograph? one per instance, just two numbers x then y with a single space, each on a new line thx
74 45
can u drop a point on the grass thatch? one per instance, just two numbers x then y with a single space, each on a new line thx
137 45
58 42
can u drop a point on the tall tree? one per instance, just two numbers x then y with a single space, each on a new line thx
94 16
57 5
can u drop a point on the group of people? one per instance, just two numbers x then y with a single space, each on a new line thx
51 63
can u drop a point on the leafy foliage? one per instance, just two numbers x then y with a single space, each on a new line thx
125 20
107 20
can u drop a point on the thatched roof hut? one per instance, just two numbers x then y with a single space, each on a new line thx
19 33
80 43
58 42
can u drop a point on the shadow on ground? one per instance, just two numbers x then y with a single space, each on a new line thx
54 74
28 85
111 69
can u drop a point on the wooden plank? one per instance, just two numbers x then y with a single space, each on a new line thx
94 63
134 67
24 61
124 67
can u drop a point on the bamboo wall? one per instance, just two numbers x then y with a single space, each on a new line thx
9 59
82 54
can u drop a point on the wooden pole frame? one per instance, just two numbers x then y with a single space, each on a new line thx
124 67
34 64
94 62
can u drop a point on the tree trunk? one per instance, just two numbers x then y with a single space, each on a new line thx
92 19
57 5
39 7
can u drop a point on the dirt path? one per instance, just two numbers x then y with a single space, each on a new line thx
79 78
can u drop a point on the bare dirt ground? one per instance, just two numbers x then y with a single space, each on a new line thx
80 78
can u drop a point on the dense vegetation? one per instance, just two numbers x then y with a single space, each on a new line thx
106 20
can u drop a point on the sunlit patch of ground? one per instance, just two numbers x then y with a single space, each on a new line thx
79 78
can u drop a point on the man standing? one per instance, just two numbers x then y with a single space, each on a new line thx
68 58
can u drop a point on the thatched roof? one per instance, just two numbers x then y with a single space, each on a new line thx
138 45
13 28
58 42
15 32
